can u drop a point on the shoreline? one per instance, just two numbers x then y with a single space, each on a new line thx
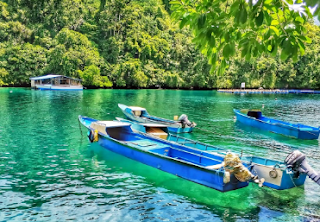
232 91
269 91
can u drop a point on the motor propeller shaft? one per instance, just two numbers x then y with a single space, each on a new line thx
298 163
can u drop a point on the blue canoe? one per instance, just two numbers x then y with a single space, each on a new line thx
256 119
275 173
140 115
182 161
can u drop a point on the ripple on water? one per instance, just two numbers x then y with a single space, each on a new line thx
48 172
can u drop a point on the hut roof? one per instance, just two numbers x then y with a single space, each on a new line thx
51 76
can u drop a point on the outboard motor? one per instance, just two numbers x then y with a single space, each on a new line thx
298 163
184 120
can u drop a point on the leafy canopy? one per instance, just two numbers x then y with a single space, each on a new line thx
224 27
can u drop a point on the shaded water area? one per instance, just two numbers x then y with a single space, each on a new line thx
49 172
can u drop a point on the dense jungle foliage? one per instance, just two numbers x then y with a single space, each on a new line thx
253 27
129 44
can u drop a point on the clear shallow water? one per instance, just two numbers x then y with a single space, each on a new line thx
49 172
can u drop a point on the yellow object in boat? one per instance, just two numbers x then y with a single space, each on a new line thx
157 132
96 136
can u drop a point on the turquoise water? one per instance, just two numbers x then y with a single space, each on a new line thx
49 172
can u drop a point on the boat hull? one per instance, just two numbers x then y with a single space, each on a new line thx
169 157
283 178
172 127
60 88
279 128
189 172
261 167
180 130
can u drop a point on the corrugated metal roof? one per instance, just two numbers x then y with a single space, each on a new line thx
50 76
45 77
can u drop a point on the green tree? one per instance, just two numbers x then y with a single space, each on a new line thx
223 27
91 77
19 63
73 52
131 43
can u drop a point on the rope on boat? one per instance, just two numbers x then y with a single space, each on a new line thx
311 133
208 131
290 175
304 131
225 150
253 171
80 128
213 132
250 142
284 148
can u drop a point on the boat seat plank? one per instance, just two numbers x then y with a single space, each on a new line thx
195 154
305 129
146 144
215 167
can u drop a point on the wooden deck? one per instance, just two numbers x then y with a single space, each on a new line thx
269 91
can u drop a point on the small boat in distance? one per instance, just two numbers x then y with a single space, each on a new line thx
256 119
140 115
276 173
55 82
191 164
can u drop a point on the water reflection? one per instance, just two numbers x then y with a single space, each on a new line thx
49 172
244 203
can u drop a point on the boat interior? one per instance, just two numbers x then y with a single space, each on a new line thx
207 147
144 114
157 130
58 81
158 119
258 115
194 144
262 161
190 151
185 150
175 151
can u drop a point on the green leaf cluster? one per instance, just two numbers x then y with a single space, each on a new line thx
138 44
272 72
118 43
254 28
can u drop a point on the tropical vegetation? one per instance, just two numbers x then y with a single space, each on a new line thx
138 44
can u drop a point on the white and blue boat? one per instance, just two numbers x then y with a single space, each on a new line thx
255 118
276 173
185 162
56 82
140 115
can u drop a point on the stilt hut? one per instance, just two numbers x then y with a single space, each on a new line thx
55 82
